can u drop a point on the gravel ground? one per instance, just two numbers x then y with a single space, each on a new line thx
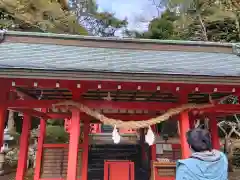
232 176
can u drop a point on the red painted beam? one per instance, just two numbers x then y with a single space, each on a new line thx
59 115
24 95
224 108
125 117
30 103
43 115
95 104
31 112
127 86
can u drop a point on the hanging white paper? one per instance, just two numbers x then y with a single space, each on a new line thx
149 137
116 136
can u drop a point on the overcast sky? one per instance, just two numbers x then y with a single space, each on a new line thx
131 9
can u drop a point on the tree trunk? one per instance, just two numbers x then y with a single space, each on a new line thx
203 28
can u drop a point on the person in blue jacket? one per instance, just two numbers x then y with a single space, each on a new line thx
204 163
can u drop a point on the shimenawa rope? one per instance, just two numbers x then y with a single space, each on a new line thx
131 124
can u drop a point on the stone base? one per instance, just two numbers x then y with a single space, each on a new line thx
2 160
1 172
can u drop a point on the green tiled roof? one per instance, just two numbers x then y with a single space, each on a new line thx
73 58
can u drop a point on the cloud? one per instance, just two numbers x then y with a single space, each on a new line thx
133 10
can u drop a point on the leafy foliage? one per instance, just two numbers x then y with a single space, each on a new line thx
56 134
42 15
51 16
110 20
160 28
205 20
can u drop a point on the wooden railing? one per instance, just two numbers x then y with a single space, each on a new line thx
163 170
55 162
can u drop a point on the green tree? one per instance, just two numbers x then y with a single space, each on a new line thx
159 28
41 15
232 7
51 16
207 20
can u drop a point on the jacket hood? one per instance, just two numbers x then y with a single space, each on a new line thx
208 156
207 165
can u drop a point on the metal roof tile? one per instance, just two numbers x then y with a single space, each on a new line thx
59 57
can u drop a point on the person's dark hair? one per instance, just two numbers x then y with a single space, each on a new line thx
199 140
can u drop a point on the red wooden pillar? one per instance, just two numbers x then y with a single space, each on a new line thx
184 128
23 153
214 132
3 111
85 150
2 123
73 145
40 149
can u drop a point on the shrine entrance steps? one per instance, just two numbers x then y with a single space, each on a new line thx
98 153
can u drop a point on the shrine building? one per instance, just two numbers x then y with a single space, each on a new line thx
125 79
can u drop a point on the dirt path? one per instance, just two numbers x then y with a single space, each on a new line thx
10 176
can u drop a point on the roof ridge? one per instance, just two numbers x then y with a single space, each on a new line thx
118 39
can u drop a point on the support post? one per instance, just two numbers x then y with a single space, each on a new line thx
214 132
73 145
3 111
23 153
2 123
40 149
184 127
85 150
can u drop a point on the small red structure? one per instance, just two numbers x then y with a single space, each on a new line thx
144 78
118 170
